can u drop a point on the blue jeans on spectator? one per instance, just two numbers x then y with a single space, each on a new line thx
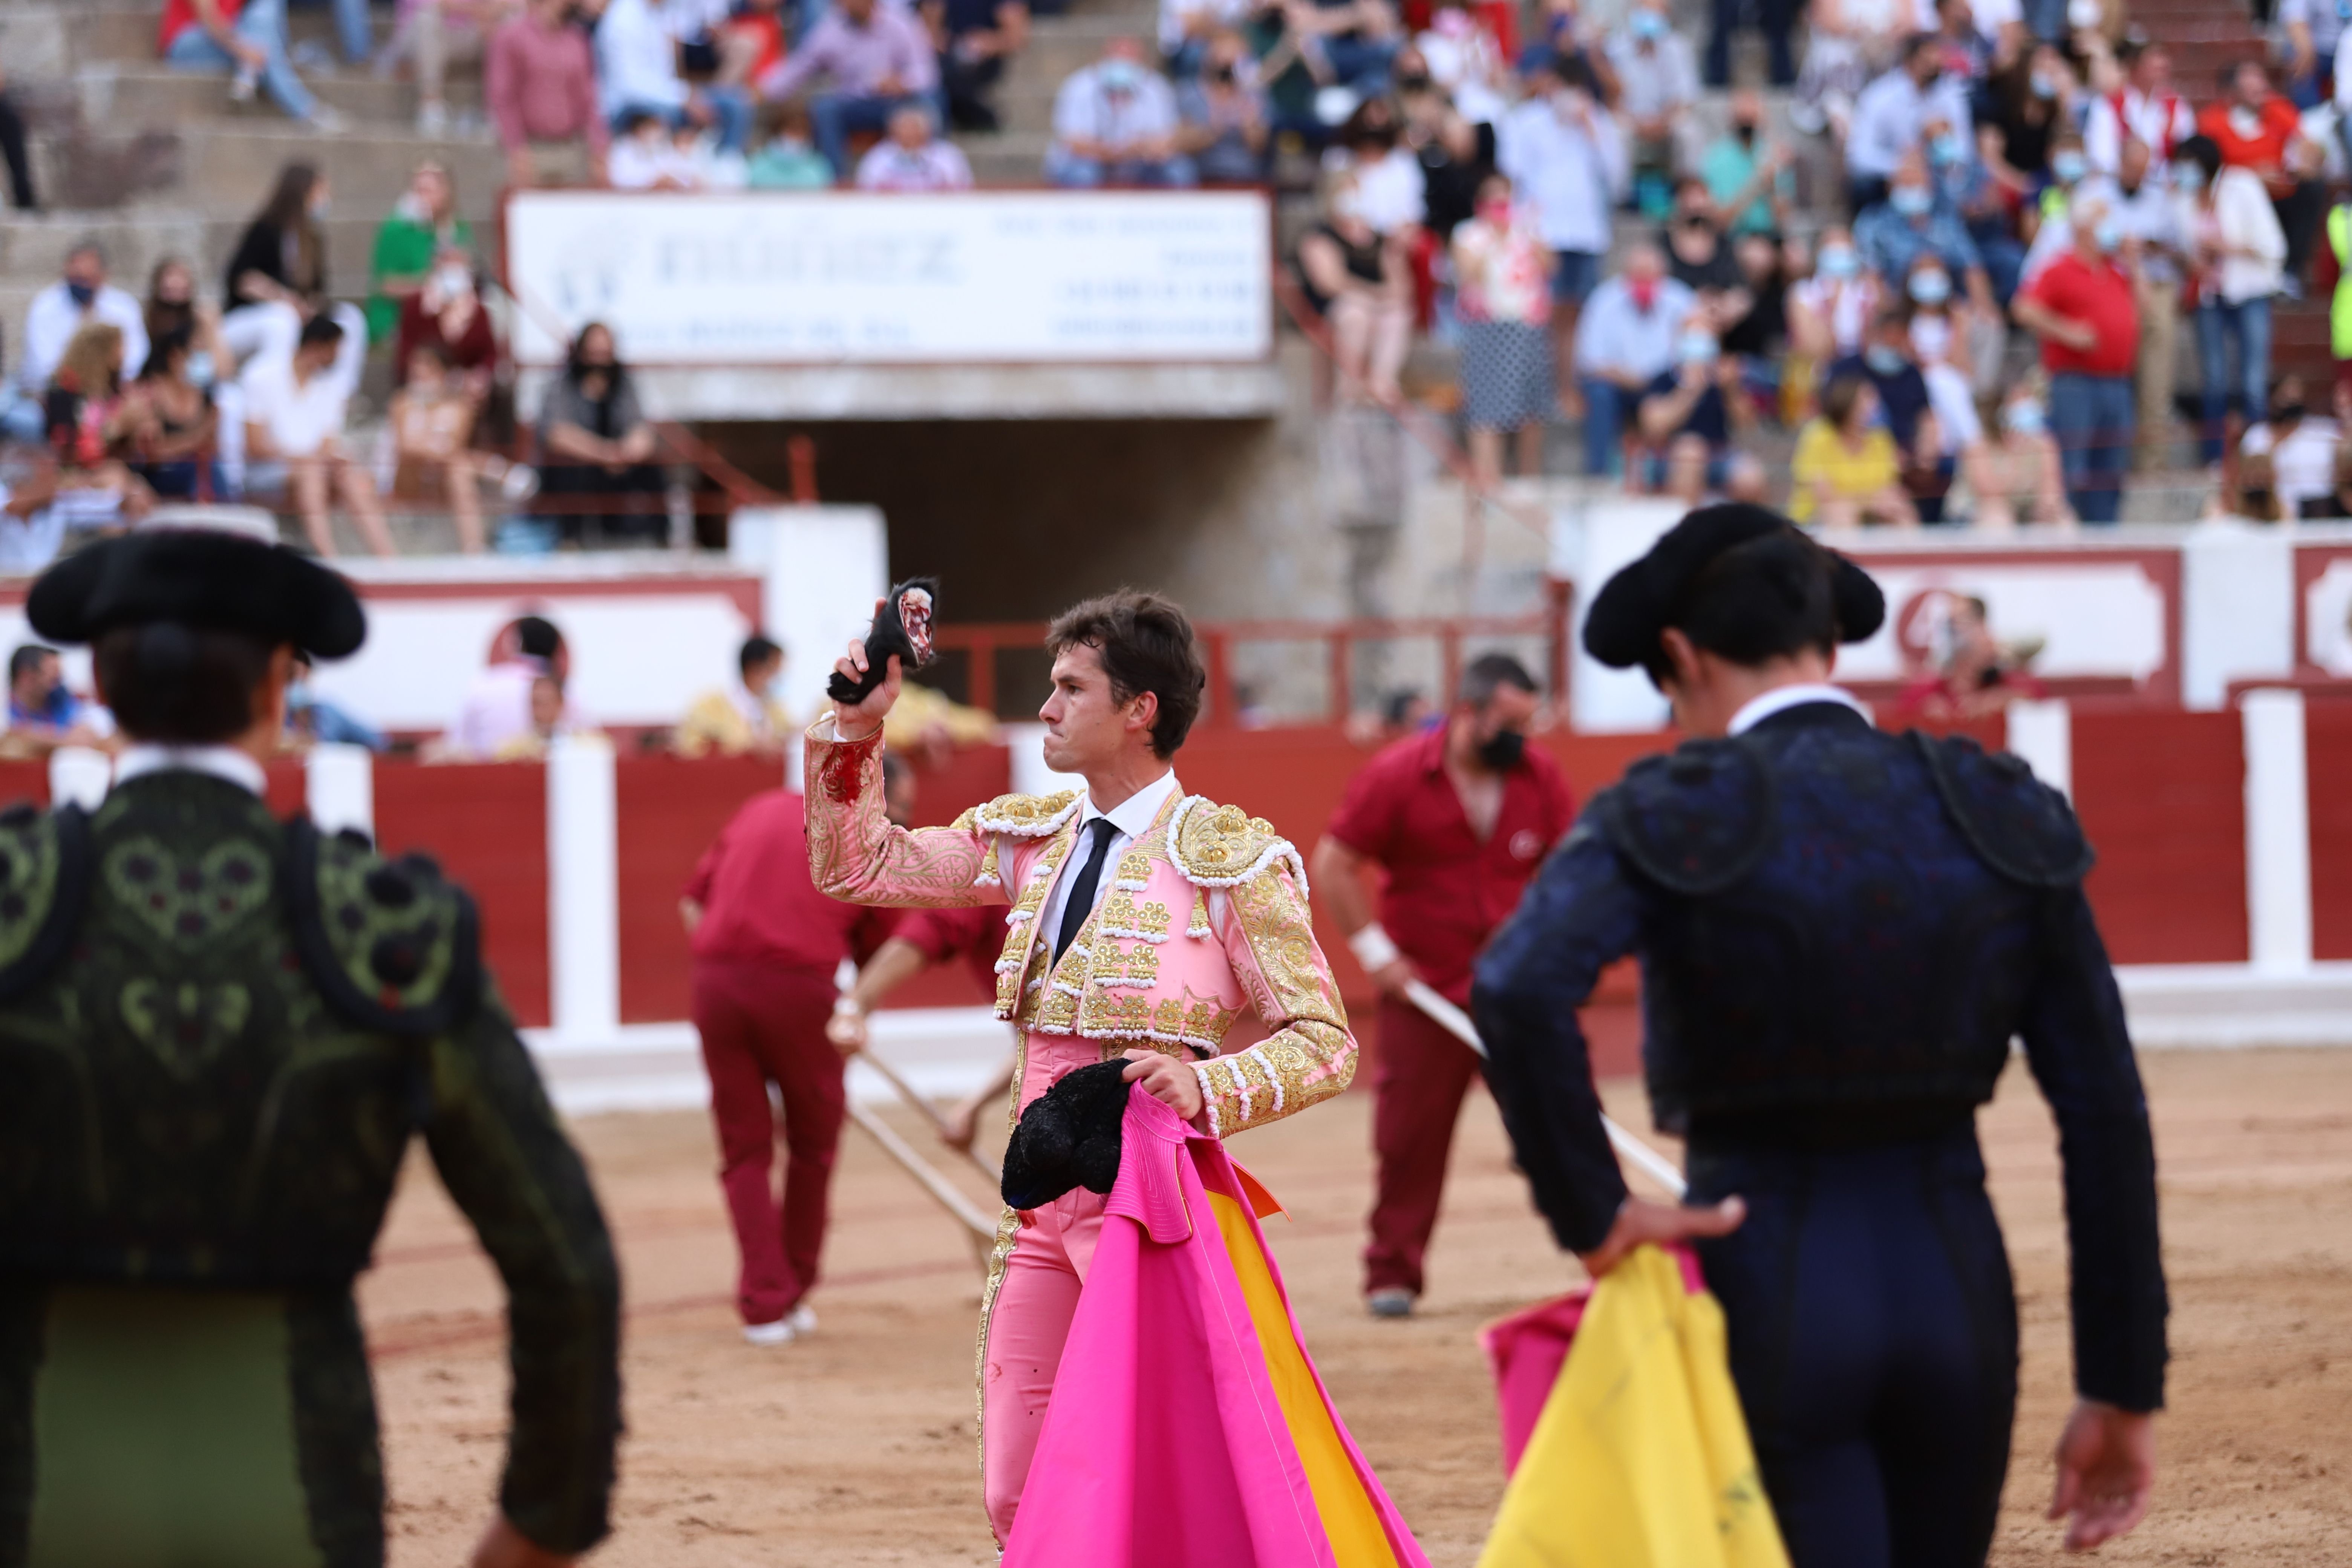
1363 63
262 22
837 116
2216 322
1073 172
353 30
2003 258
2091 417
23 419
1607 406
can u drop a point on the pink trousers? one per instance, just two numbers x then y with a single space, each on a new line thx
1034 1303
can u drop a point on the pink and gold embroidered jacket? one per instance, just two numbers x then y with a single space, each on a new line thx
1206 914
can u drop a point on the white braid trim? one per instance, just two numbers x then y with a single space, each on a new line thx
1280 849
1038 829
1019 915
1123 934
1130 885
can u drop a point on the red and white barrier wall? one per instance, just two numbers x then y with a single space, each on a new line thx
2224 879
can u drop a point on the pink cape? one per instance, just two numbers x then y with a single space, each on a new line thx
1188 1429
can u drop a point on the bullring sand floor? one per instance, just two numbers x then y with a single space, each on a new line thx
855 1447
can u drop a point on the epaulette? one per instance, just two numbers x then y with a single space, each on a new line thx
393 945
2017 825
44 887
1694 821
1223 846
1020 816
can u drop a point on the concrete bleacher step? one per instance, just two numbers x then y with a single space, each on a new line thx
121 96
125 30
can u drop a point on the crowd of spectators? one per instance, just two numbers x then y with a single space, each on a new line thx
1948 284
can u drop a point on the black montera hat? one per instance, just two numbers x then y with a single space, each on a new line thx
197 576
1647 596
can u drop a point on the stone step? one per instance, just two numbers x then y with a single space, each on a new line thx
1007 157
124 31
123 96
230 165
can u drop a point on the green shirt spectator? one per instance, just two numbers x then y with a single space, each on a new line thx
422 221
1748 175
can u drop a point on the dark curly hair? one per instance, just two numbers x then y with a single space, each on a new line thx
1146 643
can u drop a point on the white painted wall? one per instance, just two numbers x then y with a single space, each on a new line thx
823 567
2237 608
2278 833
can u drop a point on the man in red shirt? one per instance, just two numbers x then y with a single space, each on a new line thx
2083 308
2259 130
767 946
1459 817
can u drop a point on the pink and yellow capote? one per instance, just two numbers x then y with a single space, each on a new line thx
1206 915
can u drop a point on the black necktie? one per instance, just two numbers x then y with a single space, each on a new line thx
1082 891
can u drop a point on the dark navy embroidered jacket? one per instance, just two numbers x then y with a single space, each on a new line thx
1839 933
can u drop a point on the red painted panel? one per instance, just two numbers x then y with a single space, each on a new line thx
486 824
2327 763
288 789
25 781
2162 796
670 810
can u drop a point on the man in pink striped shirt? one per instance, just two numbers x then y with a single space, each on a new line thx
541 85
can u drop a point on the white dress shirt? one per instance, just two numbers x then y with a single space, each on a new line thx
1570 179
226 763
1890 114
636 59
1759 709
1131 819
52 319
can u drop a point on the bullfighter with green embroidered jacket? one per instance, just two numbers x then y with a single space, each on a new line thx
218 1033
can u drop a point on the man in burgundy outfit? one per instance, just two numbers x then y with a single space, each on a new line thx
767 947
1459 817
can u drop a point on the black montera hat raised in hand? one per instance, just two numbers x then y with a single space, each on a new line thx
208 578
1651 595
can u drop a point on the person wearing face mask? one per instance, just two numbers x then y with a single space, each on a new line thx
1830 312
745 716
2032 102
1891 117
1502 299
1908 407
1701 396
1748 174
2084 309
2015 475
176 422
1566 158
1626 339
1458 817
422 225
1911 223
1699 258
80 297
1659 82
2257 129
1963 183
2145 109
2235 251
1115 124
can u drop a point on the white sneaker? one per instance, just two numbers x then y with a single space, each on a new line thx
780 1332
520 483
327 119
1395 1301
803 1319
433 120
241 85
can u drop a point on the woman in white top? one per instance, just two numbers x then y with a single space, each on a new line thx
2236 251
1830 312
2300 447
